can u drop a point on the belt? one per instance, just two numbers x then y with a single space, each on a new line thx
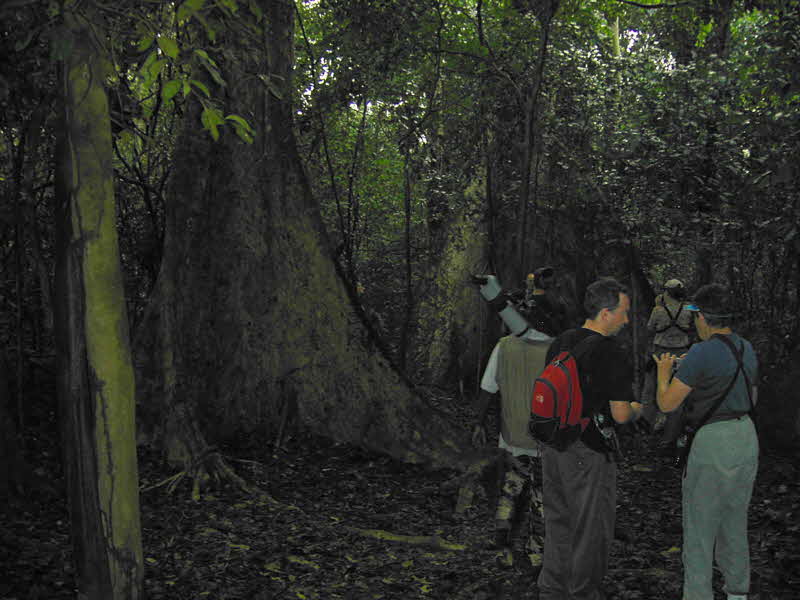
727 417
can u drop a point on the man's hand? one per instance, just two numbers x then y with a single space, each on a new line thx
637 409
478 435
665 363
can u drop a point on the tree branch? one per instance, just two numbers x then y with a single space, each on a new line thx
651 6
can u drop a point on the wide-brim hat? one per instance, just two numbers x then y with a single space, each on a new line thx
673 283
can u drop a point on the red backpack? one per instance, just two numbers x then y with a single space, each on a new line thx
557 404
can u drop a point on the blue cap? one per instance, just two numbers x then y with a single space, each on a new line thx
695 308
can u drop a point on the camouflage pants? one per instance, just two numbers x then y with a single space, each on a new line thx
521 500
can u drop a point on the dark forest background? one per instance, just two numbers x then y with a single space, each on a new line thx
253 217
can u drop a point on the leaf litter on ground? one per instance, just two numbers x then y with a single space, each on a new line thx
339 522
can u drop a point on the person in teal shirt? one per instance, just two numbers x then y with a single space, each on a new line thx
716 383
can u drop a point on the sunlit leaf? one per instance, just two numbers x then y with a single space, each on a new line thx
168 46
240 121
145 43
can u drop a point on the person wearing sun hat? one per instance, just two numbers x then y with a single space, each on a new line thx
669 320
671 325
716 382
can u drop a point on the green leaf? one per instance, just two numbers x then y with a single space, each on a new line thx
210 66
240 122
168 46
243 133
210 120
171 88
229 4
215 75
188 9
145 43
204 56
212 117
155 68
146 70
201 86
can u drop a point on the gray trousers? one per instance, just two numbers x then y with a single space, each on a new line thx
716 495
580 495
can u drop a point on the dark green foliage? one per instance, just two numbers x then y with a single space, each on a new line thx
681 149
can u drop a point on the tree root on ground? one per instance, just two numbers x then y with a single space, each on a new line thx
430 541
210 469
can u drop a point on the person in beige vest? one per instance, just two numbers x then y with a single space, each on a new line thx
669 320
672 328
513 366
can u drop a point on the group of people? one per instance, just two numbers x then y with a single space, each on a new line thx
571 493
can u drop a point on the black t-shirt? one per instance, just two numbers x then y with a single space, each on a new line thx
606 374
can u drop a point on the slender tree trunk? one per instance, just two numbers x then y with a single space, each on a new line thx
545 19
409 291
18 280
95 374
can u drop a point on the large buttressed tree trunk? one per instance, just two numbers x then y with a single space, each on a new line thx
249 309
95 372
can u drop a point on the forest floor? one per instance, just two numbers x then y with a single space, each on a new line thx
316 533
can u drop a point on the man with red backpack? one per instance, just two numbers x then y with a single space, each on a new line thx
579 478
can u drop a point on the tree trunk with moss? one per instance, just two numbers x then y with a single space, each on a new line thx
455 330
250 314
95 374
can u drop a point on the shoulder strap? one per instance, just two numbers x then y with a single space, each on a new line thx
678 314
669 312
585 345
739 354
673 321
723 395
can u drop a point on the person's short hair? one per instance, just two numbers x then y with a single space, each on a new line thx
715 302
603 293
